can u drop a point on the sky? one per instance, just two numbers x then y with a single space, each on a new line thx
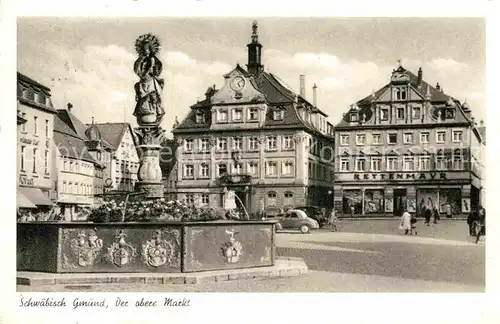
89 61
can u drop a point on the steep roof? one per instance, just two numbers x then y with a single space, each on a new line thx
113 133
27 79
482 132
68 142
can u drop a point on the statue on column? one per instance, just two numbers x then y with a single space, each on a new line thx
149 108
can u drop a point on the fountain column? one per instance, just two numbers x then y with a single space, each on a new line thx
149 112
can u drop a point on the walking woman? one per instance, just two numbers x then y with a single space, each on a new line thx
405 223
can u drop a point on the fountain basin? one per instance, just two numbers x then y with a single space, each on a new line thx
171 246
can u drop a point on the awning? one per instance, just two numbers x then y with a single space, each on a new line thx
23 202
36 196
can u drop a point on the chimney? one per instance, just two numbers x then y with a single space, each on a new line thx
438 87
315 96
419 81
92 120
481 123
70 106
303 86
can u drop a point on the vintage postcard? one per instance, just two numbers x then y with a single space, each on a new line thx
165 156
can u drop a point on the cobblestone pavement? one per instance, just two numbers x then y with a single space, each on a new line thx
364 256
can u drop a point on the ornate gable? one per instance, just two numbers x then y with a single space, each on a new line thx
239 88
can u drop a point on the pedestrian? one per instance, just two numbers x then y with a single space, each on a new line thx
470 221
405 223
435 213
427 215
333 221
448 210
413 222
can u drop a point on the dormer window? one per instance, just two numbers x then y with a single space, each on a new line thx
450 113
353 117
200 117
278 114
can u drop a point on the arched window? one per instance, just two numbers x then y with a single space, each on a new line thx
271 199
288 201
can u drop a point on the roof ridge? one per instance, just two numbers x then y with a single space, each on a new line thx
268 76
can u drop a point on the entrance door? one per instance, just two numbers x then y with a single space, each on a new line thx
399 201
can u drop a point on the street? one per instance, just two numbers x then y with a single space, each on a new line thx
364 256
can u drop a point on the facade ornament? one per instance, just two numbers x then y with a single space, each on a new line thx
261 139
156 252
212 142
298 139
232 250
121 253
86 247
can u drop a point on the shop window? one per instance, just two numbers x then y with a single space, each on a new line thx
352 203
374 201
450 201
428 199
271 199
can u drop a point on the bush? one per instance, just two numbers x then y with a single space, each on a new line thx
148 210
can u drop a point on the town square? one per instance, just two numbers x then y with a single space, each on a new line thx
233 155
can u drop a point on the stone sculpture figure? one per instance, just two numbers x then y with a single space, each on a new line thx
149 108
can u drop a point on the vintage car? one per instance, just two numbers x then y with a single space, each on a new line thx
315 213
296 219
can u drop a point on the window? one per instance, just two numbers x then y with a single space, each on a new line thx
253 114
35 129
271 199
392 138
360 164
288 201
376 139
287 142
222 144
189 199
441 137
354 117
272 169
400 113
24 124
344 139
440 162
204 199
376 163
204 145
237 144
450 113
271 143
360 139
188 171
23 157
278 114
252 168
457 160
425 163
457 136
46 162
288 168
344 165
35 153
188 145
222 115
237 168
200 117
221 169
384 114
46 128
253 143
408 163
238 114
416 112
408 138
392 162
204 173
424 137
400 93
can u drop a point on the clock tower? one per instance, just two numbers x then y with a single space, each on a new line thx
254 53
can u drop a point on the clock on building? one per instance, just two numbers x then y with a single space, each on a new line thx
237 83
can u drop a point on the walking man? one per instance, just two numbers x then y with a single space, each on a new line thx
333 220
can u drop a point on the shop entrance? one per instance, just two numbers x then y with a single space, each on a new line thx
399 201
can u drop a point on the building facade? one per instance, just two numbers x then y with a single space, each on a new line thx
257 140
121 145
35 179
79 174
406 146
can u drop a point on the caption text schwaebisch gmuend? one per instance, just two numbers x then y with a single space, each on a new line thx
79 303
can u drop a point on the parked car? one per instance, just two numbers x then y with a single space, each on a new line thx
296 219
316 214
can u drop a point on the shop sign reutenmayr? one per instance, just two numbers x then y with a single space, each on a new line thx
401 176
